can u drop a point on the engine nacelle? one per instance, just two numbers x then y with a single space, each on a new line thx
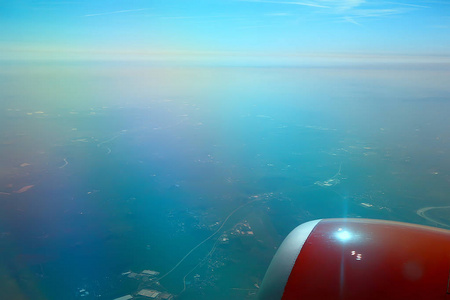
359 259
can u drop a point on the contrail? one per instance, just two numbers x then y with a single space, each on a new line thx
115 12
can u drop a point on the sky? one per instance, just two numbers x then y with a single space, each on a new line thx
135 29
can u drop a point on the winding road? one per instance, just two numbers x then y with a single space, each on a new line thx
422 212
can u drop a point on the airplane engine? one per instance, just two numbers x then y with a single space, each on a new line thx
360 259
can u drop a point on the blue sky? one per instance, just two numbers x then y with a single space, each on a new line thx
272 27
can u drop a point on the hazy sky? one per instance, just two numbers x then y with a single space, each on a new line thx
136 27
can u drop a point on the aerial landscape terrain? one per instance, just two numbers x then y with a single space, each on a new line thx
164 151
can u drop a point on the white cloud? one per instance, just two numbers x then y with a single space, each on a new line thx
342 4
311 4
278 14
351 20
351 11
115 12
375 13
407 4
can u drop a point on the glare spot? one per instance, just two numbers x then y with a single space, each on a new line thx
343 235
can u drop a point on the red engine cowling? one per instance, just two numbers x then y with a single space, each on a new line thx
360 259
